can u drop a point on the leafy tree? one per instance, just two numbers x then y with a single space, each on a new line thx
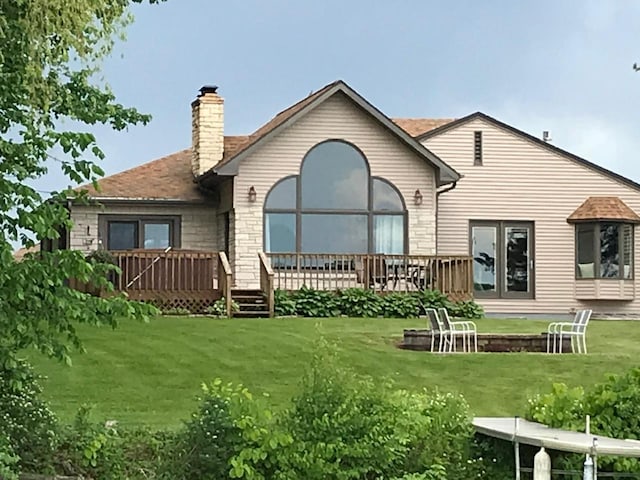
50 59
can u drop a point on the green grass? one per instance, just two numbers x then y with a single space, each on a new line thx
150 373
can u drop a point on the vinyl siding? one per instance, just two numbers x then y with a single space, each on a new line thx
520 180
336 118
198 224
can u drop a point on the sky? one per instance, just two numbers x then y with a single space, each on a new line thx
563 65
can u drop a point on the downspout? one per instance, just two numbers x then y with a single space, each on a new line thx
438 193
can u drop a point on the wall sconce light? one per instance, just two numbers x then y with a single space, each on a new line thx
252 194
417 197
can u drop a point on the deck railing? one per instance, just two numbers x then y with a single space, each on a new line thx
225 281
266 282
160 270
452 275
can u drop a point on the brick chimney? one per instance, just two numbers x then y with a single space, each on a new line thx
207 130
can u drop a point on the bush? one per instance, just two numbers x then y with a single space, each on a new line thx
316 303
176 311
400 305
208 441
219 308
466 309
284 303
614 407
107 452
8 459
342 427
432 299
359 302
26 422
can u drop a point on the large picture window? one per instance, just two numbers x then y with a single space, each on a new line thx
334 206
124 232
502 259
604 250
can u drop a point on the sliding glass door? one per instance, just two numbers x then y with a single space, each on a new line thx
502 259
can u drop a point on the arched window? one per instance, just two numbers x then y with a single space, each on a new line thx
335 206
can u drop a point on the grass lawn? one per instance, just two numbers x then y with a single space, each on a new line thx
150 373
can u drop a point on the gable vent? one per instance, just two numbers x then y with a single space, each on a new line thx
477 148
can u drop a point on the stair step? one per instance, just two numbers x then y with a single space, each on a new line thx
251 314
247 298
253 307
249 292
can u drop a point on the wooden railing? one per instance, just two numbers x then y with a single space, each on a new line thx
160 270
452 275
225 281
266 282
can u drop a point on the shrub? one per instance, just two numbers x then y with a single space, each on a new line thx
614 408
107 452
466 309
359 302
25 419
343 427
432 299
176 311
284 303
400 305
8 459
208 441
219 308
315 303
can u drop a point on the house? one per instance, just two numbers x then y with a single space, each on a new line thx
333 193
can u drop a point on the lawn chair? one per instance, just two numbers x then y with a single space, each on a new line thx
439 328
466 328
575 330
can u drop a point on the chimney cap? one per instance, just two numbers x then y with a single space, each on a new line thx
207 89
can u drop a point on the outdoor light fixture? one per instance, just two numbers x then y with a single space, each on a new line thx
417 197
252 194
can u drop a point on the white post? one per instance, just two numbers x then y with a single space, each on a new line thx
542 465
516 447
587 473
595 458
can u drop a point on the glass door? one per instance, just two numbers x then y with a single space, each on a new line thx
518 264
484 241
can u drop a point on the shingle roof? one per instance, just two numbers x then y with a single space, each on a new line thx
603 208
167 178
419 126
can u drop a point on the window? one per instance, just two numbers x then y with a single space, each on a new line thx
604 250
477 148
124 232
334 206
502 259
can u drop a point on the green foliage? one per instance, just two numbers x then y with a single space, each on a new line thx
284 303
400 305
25 419
359 302
219 308
342 427
101 256
315 303
106 452
205 446
614 408
432 299
8 459
466 309
50 55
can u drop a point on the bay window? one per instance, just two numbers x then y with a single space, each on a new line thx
604 250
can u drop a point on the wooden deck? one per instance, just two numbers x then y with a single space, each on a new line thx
452 275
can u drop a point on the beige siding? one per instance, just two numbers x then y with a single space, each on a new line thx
523 181
198 224
335 118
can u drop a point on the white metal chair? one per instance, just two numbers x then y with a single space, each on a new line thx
438 328
575 330
466 328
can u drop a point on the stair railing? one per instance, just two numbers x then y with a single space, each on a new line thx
266 282
225 281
